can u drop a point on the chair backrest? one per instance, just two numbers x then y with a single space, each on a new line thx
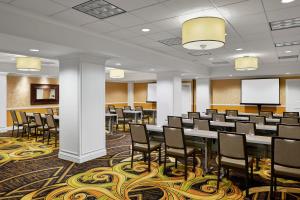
106 110
193 115
245 127
14 117
174 137
289 120
290 114
211 111
139 133
285 152
23 117
232 145
174 121
258 119
50 121
267 114
111 108
218 117
138 108
288 131
119 112
201 124
232 113
38 119
127 107
50 111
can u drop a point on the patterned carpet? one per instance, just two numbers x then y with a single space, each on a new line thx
31 170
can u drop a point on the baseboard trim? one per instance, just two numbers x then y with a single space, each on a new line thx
81 158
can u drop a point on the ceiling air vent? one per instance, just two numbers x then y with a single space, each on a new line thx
286 44
171 41
284 24
99 8
288 57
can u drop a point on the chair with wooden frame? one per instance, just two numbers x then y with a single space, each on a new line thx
121 118
141 142
218 117
211 111
232 154
289 120
52 128
41 128
242 127
16 122
285 161
175 146
147 117
291 114
27 125
111 108
288 131
194 115
201 124
267 114
50 111
261 120
232 113
174 121
127 107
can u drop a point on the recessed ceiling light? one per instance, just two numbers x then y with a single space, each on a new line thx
145 29
34 50
118 64
239 49
287 1
287 73
151 69
210 58
288 51
230 75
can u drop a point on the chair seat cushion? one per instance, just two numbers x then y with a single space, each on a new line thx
31 125
180 152
287 171
144 147
237 163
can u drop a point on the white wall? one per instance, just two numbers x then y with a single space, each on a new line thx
3 99
202 94
131 94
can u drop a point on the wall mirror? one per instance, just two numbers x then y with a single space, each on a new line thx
44 94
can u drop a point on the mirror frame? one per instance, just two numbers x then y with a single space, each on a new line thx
35 101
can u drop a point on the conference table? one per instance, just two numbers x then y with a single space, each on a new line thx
208 135
190 122
135 113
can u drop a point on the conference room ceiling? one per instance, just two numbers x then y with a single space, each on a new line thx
247 26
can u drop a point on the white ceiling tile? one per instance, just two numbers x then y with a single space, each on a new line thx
122 34
101 26
286 35
74 17
276 5
138 29
69 3
159 36
176 32
241 9
43 7
125 20
170 23
226 2
286 13
153 13
140 40
6 1
182 7
129 5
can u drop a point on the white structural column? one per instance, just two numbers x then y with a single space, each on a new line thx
82 108
131 94
202 95
3 100
168 90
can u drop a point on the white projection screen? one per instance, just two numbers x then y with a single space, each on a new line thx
151 92
260 91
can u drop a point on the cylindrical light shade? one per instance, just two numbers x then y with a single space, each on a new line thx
28 64
203 33
246 63
116 73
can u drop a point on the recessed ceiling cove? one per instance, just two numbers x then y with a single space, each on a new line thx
99 8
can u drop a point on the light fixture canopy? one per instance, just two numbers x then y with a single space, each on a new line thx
116 73
28 64
246 63
203 33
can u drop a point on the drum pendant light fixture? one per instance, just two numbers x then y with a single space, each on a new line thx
28 64
246 63
203 33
